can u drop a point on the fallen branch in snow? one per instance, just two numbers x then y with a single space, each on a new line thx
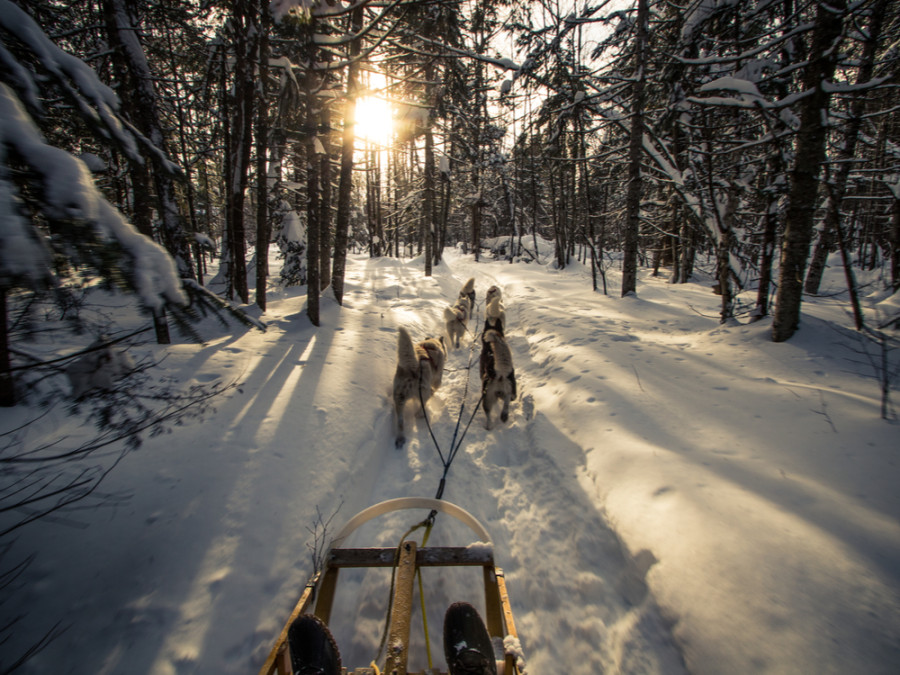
319 531
634 368
9 580
824 412
37 481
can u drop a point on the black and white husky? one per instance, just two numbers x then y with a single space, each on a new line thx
420 368
498 377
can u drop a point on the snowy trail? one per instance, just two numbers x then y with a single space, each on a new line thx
663 480
565 566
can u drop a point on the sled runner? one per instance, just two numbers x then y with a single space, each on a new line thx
467 638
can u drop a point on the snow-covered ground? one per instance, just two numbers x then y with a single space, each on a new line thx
669 495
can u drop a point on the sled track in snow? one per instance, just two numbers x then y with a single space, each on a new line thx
564 564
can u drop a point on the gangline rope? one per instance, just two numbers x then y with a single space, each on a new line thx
428 523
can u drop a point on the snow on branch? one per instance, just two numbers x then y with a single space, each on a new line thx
317 8
95 101
69 194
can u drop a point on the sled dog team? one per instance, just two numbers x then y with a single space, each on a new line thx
420 365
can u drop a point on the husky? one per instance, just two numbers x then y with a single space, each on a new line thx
498 377
467 292
420 368
456 319
493 292
495 316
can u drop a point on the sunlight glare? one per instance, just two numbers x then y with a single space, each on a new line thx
374 121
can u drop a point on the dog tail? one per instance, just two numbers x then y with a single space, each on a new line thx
495 308
450 315
468 287
406 352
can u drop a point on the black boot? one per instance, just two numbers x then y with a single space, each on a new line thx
467 645
313 649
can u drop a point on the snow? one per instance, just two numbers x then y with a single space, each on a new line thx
94 98
669 495
68 191
746 88
887 310
100 368
292 228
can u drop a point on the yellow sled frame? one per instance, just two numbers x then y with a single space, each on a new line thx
321 587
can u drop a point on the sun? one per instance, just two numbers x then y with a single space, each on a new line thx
374 120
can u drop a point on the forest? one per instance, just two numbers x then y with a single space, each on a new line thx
760 135
163 151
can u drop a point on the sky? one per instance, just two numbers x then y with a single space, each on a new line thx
669 495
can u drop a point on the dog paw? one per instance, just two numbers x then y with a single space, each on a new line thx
504 416
400 442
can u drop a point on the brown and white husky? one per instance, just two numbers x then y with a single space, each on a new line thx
420 368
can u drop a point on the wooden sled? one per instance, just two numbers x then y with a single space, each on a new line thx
318 595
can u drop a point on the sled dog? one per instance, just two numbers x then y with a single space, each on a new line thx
456 319
498 377
467 292
493 292
420 368
495 316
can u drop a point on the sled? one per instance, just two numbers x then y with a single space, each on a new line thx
318 595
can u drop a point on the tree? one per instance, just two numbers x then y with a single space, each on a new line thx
72 220
243 29
804 177
846 156
635 152
262 147
345 184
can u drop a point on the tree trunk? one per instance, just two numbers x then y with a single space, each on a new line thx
325 191
895 244
445 216
838 187
227 151
635 154
345 185
428 221
7 384
312 234
766 256
313 223
238 166
376 203
262 148
852 288
369 169
723 257
810 155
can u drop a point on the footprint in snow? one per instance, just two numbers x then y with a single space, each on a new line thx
528 407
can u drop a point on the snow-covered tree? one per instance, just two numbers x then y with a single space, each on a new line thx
55 222
291 239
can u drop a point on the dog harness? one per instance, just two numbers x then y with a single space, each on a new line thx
427 356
